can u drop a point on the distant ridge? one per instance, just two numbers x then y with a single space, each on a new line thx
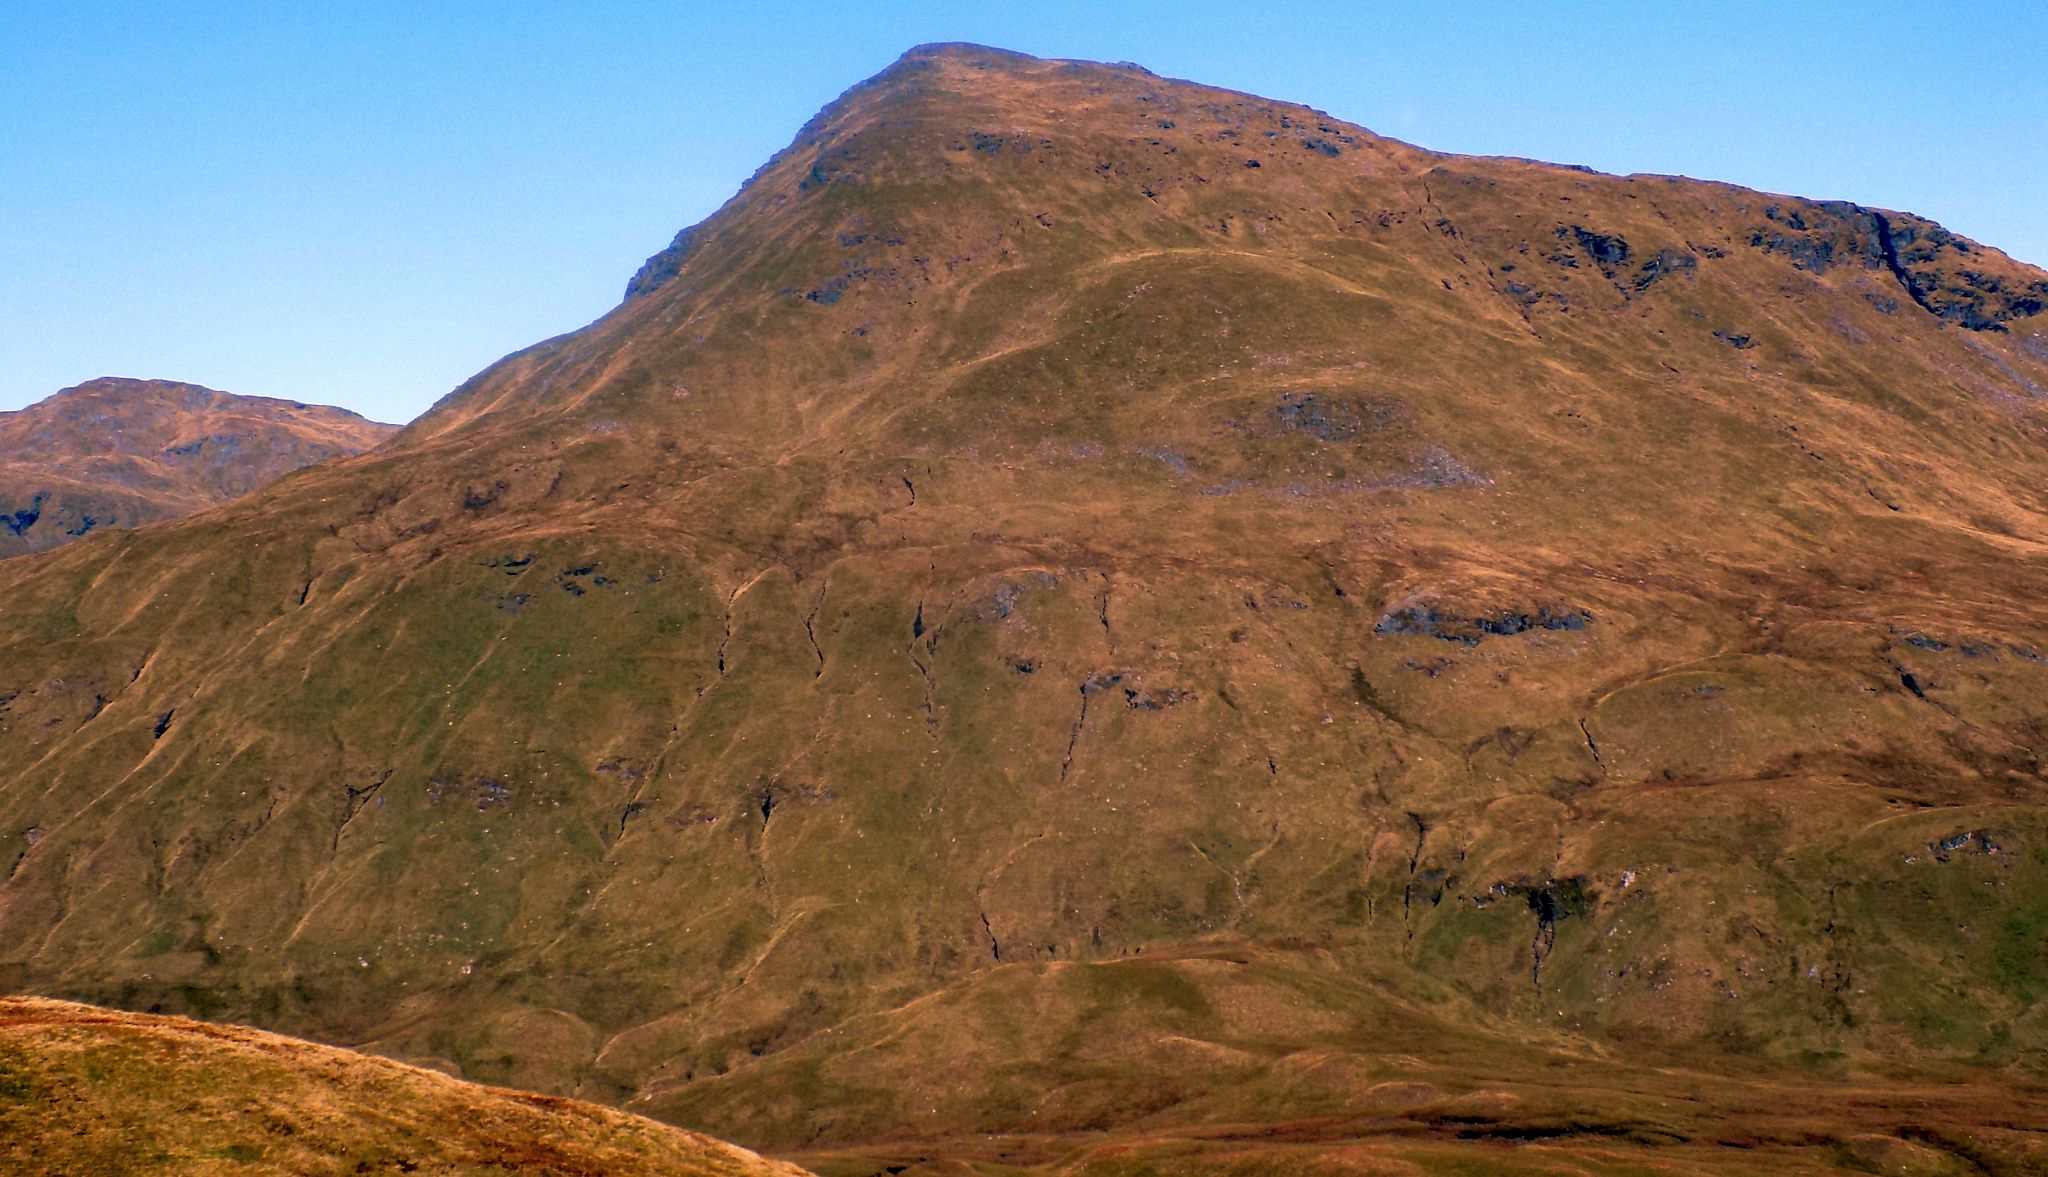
116 452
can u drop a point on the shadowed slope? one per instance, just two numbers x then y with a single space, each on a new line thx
117 453
1057 524
85 1090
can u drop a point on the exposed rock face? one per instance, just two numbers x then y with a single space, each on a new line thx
1029 623
1932 266
117 453
660 268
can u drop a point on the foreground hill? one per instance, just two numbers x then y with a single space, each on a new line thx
115 453
90 1091
1085 604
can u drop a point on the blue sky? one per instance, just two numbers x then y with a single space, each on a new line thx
363 204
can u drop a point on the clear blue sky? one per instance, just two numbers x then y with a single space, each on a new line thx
365 203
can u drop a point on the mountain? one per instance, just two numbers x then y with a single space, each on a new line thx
1085 615
117 453
87 1090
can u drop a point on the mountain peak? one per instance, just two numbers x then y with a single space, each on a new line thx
945 104
972 55
967 52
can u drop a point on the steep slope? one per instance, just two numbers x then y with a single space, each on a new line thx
86 1090
1081 603
116 453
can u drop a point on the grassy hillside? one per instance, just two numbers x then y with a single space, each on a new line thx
1020 554
93 1091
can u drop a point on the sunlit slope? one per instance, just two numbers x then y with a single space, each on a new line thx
1601 613
86 1090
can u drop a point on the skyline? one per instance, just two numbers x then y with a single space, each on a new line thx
366 207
